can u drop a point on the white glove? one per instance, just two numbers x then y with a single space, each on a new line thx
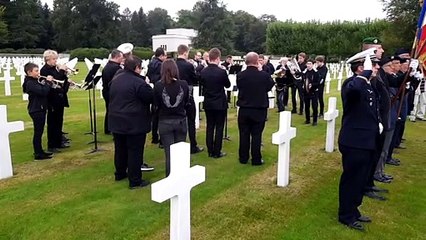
368 65
407 85
380 128
414 63
418 75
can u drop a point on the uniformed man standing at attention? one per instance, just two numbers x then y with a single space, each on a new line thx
358 137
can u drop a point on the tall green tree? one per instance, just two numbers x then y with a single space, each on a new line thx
3 27
215 26
158 20
47 33
140 34
86 23
404 15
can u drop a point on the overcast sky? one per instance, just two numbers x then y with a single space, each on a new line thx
299 10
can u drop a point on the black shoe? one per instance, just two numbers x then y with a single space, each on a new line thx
155 141
64 145
220 155
314 124
107 133
355 225
197 150
401 147
54 150
64 133
307 122
364 219
146 168
41 157
160 146
375 196
382 179
293 111
387 176
377 189
320 115
144 183
119 178
48 153
258 163
393 162
243 162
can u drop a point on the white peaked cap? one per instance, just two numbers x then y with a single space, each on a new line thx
362 55
125 48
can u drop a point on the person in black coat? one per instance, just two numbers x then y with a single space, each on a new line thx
187 73
37 106
311 83
214 80
57 100
298 84
358 139
322 71
253 87
129 120
108 73
154 75
283 81
171 97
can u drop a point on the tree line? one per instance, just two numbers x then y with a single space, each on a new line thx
100 24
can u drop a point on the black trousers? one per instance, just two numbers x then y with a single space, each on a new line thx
377 154
171 131
320 96
311 99
39 120
155 136
55 120
356 167
297 86
214 130
128 150
282 99
251 123
190 114
105 94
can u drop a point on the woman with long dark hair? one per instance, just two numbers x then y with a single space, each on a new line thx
171 96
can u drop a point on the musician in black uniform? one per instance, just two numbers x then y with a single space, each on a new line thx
37 106
110 69
283 81
154 75
57 100
129 120
187 73
228 63
298 84
253 86
311 83
322 71
214 79
358 138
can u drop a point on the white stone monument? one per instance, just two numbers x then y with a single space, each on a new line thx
24 95
177 187
340 78
327 83
283 138
197 99
7 78
330 116
6 128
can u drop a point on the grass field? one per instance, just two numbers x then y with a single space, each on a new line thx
74 196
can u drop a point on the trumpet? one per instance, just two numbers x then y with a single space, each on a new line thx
54 80
71 82
66 68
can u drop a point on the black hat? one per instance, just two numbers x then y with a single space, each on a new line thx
395 58
402 51
385 60
404 60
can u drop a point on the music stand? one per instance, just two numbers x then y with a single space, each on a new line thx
90 84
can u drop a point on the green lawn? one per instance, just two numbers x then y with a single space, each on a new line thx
74 196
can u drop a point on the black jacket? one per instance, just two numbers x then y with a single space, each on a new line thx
108 74
360 121
57 96
253 87
186 71
286 79
322 71
214 81
313 78
172 99
154 70
38 92
129 107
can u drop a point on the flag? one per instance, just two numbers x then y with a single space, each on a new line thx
421 37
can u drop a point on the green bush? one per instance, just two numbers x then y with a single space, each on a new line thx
23 51
143 52
90 53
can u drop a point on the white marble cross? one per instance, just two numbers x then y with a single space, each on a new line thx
6 128
340 78
327 83
177 187
7 78
330 116
283 138
197 99
24 95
